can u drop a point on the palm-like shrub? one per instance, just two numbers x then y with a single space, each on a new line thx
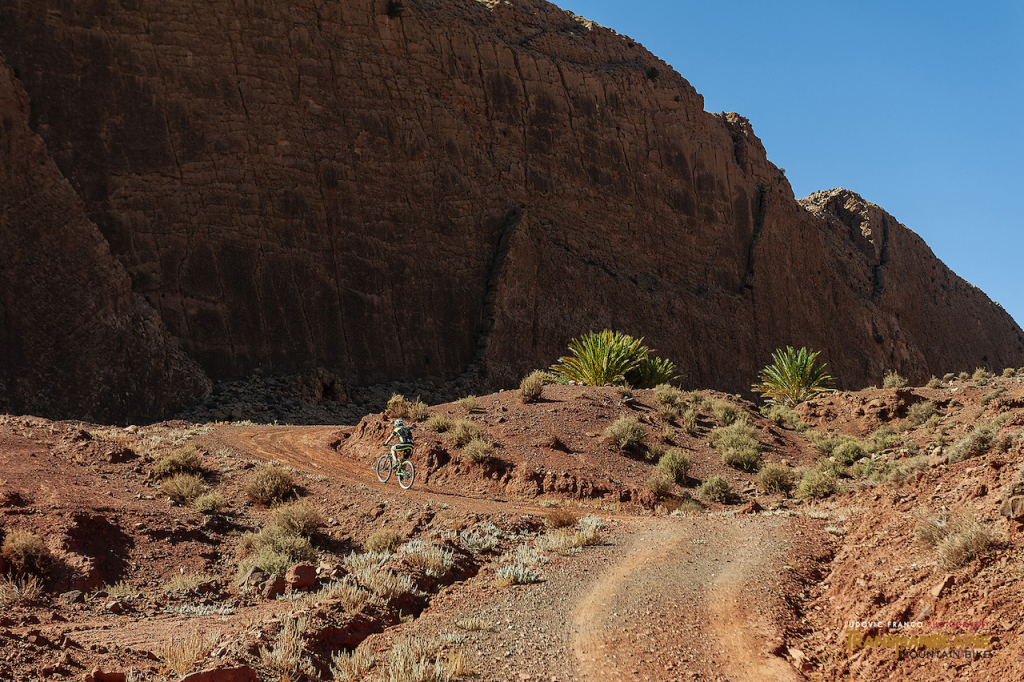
607 357
792 378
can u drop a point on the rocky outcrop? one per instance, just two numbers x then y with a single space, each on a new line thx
428 188
74 339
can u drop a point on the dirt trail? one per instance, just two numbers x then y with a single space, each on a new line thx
685 594
684 597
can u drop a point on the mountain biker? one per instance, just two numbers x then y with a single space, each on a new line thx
404 445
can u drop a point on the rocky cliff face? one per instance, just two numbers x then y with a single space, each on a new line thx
436 188
74 339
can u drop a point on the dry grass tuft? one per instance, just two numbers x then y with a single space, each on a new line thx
560 518
385 540
626 432
439 423
725 413
470 403
270 485
515 574
463 431
532 386
26 552
478 450
210 503
474 624
435 561
893 380
350 596
957 538
286 658
298 518
182 655
22 591
183 488
775 478
184 460
352 666
660 483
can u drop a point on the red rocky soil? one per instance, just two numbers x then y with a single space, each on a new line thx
720 592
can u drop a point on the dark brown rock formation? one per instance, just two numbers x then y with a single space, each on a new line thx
74 339
453 188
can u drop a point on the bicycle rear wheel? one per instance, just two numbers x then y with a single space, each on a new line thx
406 474
384 468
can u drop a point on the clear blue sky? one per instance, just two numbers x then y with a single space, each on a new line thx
916 106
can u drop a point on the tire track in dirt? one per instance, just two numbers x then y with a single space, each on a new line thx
684 598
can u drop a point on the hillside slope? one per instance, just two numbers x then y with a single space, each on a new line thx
421 191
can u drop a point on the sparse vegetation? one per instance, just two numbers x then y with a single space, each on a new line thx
612 358
893 379
532 386
470 403
515 574
934 382
792 378
479 540
352 666
286 658
182 654
688 422
956 538
385 540
184 460
949 376
737 445
560 518
849 452
963 376
724 412
179 582
25 552
921 412
21 591
715 489
981 375
298 518
816 484
676 464
209 503
270 485
626 432
478 450
660 483
463 431
1009 372
775 478
977 442
439 423
435 561
183 488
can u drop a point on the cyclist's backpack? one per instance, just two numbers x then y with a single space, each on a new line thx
404 434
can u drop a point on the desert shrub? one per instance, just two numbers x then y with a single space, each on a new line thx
883 438
479 540
439 423
992 395
849 452
949 376
515 574
934 382
183 653
183 487
22 591
385 540
981 375
274 550
181 582
919 413
25 552
816 484
418 411
298 518
352 666
725 413
560 518
715 489
660 483
470 403
435 561
775 478
654 453
737 445
792 378
676 464
184 460
286 658
688 422
478 450
668 411
977 442
463 431
893 380
210 503
612 358
963 376
270 485
626 432
957 538
687 508
532 385
1009 372
349 595
666 394
398 407
830 467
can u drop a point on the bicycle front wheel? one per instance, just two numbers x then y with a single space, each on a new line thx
406 474
384 468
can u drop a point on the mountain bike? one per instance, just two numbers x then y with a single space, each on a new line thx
396 460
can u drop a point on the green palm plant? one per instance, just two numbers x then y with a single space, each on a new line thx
792 377
607 357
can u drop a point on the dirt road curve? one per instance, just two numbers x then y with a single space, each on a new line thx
678 595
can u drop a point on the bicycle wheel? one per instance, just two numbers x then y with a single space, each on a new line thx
384 468
406 474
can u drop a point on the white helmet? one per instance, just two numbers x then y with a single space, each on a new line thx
399 422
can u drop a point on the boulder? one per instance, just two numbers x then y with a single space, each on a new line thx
301 575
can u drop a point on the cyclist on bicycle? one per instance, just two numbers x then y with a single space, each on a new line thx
403 448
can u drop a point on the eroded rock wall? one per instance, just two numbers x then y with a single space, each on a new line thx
75 341
449 188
